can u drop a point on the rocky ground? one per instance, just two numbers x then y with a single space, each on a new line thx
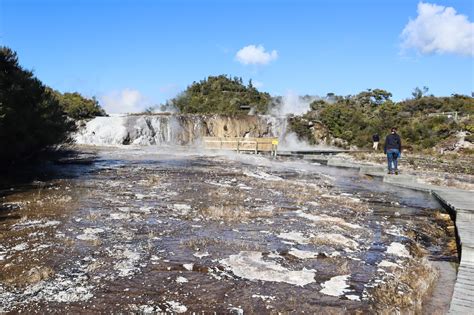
147 231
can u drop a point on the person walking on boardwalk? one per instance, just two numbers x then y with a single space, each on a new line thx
393 149
376 140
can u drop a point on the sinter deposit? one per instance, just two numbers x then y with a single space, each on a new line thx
141 230
167 129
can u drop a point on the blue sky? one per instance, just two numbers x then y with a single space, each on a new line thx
131 54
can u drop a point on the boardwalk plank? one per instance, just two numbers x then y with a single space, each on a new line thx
460 309
464 293
462 302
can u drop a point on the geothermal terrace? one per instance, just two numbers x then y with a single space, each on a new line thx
179 229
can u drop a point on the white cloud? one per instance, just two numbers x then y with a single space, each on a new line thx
124 101
257 55
439 29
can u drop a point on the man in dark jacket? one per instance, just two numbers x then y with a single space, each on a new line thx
393 149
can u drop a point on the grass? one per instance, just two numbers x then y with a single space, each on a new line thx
405 289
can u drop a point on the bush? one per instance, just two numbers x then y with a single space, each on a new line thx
302 128
356 118
221 95
470 138
468 124
31 118
78 107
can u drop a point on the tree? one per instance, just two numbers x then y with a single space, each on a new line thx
317 104
355 119
250 86
31 118
221 95
419 93
380 96
79 107
373 97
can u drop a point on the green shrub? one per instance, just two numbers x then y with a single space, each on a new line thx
78 107
302 128
356 118
221 95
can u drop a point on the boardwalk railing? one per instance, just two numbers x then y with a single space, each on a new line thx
255 145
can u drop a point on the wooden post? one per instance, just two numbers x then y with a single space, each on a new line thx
238 146
274 147
256 146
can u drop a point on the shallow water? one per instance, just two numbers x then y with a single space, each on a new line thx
142 230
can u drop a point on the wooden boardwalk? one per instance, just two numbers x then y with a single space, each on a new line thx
461 205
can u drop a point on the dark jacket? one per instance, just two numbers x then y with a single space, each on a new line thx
393 141
376 138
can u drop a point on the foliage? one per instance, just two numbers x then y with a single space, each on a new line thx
300 125
79 107
221 95
317 105
470 138
422 122
430 104
419 93
31 118
373 97
468 124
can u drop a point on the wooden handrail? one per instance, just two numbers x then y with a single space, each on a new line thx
242 144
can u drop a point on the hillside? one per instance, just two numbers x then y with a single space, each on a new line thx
220 95
423 121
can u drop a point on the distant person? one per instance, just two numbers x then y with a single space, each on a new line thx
393 149
376 140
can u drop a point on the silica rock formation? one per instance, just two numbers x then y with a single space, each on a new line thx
175 129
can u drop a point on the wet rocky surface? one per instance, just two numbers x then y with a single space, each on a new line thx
179 231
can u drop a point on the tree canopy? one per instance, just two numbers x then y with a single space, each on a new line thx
221 95
31 118
79 107
420 120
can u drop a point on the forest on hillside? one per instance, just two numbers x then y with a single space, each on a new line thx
423 121
353 118
221 95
